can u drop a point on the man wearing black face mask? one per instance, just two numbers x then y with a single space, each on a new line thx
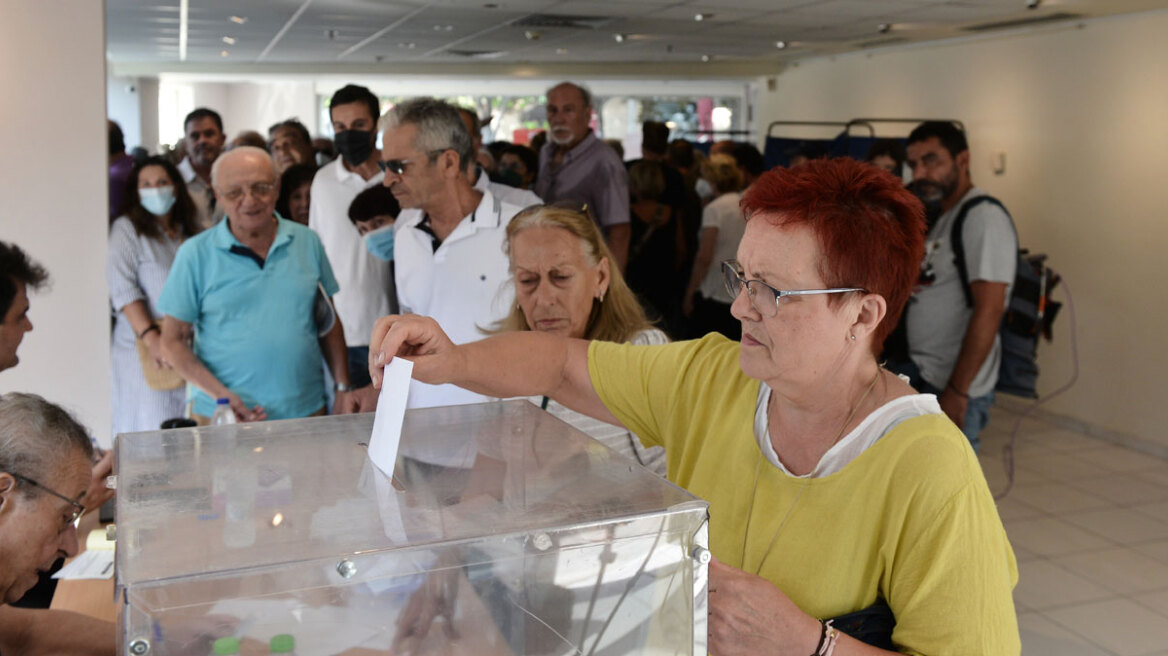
364 280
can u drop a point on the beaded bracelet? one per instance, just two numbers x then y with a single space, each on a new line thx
153 326
827 639
822 638
832 637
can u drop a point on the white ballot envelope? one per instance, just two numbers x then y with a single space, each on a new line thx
391 411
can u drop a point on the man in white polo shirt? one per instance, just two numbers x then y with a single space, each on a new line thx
364 279
448 249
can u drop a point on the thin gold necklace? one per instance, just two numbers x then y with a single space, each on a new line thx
791 508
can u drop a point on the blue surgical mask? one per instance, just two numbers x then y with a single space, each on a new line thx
379 243
157 200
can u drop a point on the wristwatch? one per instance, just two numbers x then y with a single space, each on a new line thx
342 387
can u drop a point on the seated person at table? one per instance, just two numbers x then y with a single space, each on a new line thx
848 514
567 283
45 485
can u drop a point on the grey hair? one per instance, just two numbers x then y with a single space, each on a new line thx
439 124
239 151
36 434
584 92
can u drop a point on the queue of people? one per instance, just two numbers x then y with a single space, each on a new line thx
254 276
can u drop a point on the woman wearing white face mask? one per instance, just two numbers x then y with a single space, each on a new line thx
142 246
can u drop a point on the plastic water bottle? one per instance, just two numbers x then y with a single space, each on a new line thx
239 528
224 415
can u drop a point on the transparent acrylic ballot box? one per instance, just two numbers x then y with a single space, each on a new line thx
502 531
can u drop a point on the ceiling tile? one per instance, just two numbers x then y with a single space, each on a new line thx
146 30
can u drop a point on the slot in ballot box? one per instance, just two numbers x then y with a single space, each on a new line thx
502 531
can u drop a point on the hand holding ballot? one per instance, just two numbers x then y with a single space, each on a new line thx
520 363
418 339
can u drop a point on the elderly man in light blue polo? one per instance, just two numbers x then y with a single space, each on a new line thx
239 304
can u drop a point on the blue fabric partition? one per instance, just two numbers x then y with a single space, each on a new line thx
778 150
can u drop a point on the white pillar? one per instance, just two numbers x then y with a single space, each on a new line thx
54 191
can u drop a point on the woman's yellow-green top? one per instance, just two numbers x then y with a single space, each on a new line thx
910 520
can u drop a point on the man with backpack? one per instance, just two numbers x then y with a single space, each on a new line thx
971 251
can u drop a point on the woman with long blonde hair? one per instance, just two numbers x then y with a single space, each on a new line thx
567 283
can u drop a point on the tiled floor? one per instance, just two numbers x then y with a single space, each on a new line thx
1089 523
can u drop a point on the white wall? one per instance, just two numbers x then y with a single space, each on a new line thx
123 105
258 106
243 105
148 112
1080 114
55 197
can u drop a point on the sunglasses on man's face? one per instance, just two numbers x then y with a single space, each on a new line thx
398 166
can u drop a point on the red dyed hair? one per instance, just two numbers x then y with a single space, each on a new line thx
870 228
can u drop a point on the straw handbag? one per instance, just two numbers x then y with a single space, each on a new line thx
156 378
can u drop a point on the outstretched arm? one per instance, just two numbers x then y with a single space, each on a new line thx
514 364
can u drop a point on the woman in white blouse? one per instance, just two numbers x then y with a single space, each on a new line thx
142 245
566 282
706 303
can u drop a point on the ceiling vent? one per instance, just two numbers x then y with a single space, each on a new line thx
1023 22
478 54
565 22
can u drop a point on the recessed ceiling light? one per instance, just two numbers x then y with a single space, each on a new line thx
780 44
443 28
532 35
229 41
701 17
618 37
407 45
238 20
705 58
223 53
561 51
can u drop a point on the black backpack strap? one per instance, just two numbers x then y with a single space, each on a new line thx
959 244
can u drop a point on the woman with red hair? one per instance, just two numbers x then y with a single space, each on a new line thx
848 515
